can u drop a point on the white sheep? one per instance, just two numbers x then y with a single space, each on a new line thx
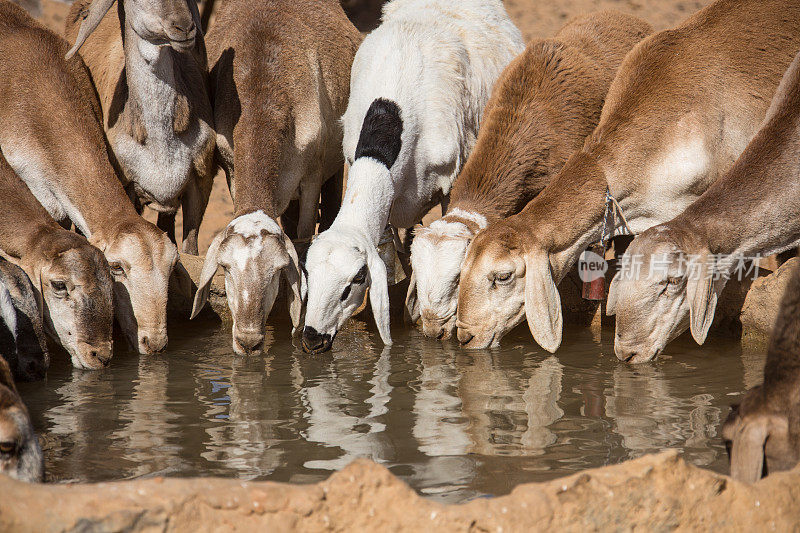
418 87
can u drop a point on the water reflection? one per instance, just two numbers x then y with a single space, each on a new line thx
146 432
453 424
337 418
510 409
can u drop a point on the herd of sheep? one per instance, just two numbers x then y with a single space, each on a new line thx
691 135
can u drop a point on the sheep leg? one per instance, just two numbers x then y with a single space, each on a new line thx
194 203
289 219
166 223
309 205
331 199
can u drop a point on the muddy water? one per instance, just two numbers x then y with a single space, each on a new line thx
455 425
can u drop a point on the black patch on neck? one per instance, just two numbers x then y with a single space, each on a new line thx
380 133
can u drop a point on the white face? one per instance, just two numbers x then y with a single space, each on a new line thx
338 277
491 296
437 254
141 264
253 262
649 298
254 254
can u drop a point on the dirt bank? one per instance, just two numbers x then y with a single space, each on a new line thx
653 493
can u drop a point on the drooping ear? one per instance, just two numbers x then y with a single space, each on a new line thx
542 302
198 24
209 269
412 303
379 294
747 451
701 294
95 13
294 278
38 293
611 299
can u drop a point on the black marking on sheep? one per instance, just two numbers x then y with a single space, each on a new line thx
380 133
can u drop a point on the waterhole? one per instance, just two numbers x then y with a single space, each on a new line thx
454 424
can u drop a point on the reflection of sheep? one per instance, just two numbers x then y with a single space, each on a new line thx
332 426
509 413
763 433
437 408
541 404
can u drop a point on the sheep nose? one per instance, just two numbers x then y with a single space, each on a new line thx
625 354
315 342
464 336
152 343
249 341
182 25
103 359
97 356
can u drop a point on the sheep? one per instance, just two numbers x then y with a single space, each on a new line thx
542 108
682 266
657 147
418 87
54 141
268 76
20 454
762 434
150 72
71 278
22 340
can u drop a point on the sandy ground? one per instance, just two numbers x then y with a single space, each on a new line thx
535 18
653 493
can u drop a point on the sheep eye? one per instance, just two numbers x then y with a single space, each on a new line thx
361 276
117 270
346 293
59 287
503 277
8 448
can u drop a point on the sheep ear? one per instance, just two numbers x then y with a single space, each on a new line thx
412 303
39 295
747 451
542 302
198 24
294 278
611 299
702 297
97 10
209 269
379 294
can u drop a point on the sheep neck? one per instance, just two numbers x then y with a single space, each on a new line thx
367 200
152 84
